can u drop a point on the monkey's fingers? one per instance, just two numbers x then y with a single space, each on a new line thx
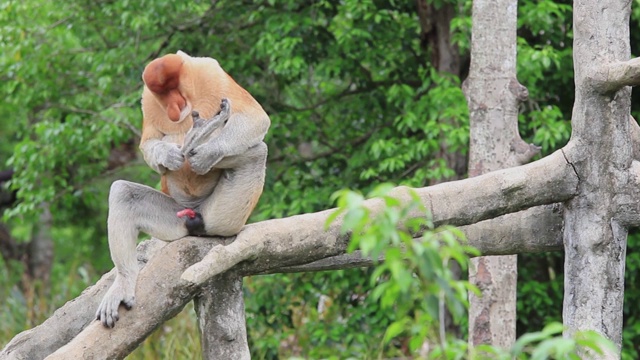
200 135
207 127
225 105
197 120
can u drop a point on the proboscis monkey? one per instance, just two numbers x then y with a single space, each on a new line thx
212 170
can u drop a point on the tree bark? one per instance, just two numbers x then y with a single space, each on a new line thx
538 229
456 203
221 322
435 35
285 242
594 237
494 94
160 295
41 249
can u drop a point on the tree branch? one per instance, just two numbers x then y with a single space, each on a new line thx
160 294
538 229
456 203
612 77
285 242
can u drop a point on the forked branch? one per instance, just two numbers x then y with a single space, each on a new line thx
283 242
295 241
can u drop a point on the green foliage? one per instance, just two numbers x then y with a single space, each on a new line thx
164 343
315 315
354 101
549 344
415 282
25 304
545 67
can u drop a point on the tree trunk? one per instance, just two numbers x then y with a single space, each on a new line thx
493 94
435 26
291 242
435 36
41 249
222 326
594 237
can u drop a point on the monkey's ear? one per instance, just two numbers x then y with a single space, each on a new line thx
163 74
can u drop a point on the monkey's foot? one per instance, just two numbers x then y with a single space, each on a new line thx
225 107
202 129
220 259
118 293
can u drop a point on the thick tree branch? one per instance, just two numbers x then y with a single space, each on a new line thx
283 242
456 203
69 320
538 229
160 293
634 132
613 77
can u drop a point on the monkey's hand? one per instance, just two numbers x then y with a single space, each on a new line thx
202 129
121 291
167 156
204 157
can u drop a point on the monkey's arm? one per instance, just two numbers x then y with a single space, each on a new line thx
242 132
160 155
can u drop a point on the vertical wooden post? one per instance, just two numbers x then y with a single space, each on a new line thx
221 321
594 240
493 94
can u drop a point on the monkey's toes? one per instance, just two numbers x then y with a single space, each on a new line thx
224 104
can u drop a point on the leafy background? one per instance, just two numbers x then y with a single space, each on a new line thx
355 96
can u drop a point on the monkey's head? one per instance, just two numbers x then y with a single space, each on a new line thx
162 77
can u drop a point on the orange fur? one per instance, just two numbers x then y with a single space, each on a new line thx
164 187
201 83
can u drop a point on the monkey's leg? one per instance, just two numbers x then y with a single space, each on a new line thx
226 211
134 208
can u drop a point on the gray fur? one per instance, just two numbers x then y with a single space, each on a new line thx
162 156
134 207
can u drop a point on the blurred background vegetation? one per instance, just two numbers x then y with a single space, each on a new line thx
359 92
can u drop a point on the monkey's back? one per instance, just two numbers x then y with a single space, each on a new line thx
204 84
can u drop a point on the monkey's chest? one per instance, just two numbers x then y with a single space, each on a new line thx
178 137
175 138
